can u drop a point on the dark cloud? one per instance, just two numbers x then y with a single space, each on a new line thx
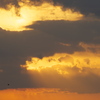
72 32
84 6
5 3
44 40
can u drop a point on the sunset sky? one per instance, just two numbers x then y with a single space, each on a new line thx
49 49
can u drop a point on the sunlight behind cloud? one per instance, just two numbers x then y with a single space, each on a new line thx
9 20
17 19
61 61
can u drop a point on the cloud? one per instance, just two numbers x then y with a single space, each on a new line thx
18 15
84 6
4 3
78 31
1 70
17 18
90 47
61 61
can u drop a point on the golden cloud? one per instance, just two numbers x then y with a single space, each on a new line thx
18 18
60 62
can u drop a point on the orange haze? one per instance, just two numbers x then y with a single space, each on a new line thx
44 94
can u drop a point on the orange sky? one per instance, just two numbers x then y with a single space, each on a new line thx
44 94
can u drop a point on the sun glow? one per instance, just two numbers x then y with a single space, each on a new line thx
10 21
16 19
19 21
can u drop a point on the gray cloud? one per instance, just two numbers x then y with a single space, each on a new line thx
72 32
4 3
83 6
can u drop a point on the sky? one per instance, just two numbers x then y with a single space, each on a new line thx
49 49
